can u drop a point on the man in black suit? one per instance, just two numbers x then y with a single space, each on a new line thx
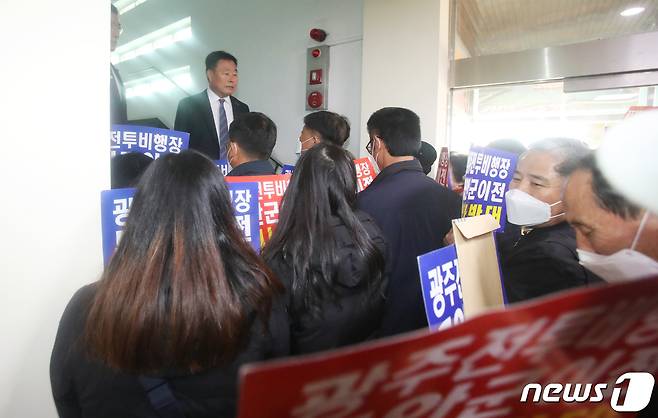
118 106
413 211
208 115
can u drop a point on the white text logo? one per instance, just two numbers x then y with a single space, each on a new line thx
638 392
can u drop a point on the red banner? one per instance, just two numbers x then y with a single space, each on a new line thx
634 110
443 173
270 193
479 368
365 172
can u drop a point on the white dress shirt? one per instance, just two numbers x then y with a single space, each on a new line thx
214 106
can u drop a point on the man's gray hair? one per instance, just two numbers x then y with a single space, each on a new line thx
566 150
606 196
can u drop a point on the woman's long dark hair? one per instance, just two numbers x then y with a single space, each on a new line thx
183 286
323 186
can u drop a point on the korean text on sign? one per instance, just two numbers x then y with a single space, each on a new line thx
475 369
270 192
153 142
115 205
365 172
441 286
245 204
223 166
487 178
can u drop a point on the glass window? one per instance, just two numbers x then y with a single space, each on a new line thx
529 112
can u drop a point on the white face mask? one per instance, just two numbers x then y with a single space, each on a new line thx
230 157
374 154
525 210
624 265
299 150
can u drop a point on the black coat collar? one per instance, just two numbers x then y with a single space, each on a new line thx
411 165
253 168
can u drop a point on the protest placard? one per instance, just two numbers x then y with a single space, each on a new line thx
488 175
223 166
365 172
287 169
244 196
442 288
523 362
270 192
443 173
634 110
153 142
115 206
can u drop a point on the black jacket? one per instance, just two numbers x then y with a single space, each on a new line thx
350 318
86 388
194 116
253 168
541 262
414 213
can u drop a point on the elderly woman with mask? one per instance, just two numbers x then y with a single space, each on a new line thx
543 259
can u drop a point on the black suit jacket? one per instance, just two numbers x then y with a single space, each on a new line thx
194 116
118 107
414 213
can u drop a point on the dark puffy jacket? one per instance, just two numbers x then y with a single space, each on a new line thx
541 262
350 318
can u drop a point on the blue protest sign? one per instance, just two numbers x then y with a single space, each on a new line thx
487 178
287 169
153 142
115 205
244 196
441 286
223 165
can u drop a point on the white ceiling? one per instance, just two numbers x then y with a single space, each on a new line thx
499 26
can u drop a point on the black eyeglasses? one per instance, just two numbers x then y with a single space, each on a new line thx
369 147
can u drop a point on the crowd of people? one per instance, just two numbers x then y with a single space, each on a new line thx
185 300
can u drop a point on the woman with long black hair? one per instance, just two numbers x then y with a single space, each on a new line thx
182 304
329 255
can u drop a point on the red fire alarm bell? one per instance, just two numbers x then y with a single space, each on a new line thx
318 35
315 99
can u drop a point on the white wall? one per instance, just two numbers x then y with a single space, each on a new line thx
269 38
54 163
406 60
